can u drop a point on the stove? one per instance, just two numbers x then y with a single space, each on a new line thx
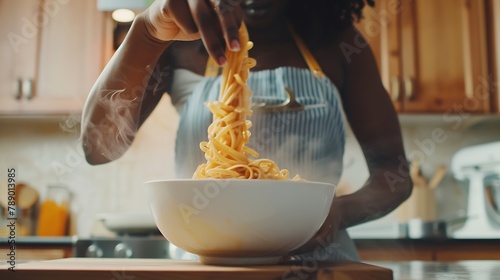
129 246
122 247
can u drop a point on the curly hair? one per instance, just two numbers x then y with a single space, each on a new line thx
323 20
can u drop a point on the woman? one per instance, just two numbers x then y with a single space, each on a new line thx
300 50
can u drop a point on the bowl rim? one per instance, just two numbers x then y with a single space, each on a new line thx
240 180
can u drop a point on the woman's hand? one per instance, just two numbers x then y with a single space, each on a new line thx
216 22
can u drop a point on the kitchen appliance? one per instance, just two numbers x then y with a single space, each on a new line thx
129 246
478 165
135 236
132 223
437 229
122 247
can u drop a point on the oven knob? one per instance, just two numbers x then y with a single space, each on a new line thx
93 252
122 251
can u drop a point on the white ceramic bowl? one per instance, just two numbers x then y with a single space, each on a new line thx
239 221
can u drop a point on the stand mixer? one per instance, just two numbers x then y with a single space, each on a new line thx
478 164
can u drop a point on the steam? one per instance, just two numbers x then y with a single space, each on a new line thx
115 132
312 154
307 158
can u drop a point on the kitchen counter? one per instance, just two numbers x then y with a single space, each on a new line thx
416 242
105 269
416 270
45 248
39 240
168 269
34 248
428 249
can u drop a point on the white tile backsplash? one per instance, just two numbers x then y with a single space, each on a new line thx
44 153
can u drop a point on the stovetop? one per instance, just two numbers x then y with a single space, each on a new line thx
129 246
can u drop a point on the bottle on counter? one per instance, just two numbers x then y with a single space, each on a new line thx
54 212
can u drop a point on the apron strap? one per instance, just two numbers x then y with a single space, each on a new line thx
212 68
308 57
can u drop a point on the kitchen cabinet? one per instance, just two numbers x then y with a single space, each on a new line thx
62 51
432 55
493 8
18 50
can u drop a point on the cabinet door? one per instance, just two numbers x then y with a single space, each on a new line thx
444 56
380 27
493 8
71 56
18 49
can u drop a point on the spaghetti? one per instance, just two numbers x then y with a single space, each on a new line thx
226 152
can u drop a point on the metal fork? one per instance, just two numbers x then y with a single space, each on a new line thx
289 105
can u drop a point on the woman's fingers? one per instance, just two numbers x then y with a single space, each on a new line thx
229 14
181 13
218 23
209 28
215 21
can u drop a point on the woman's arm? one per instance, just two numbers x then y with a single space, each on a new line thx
375 124
128 89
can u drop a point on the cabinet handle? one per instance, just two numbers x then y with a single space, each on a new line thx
409 89
468 50
19 89
28 89
395 86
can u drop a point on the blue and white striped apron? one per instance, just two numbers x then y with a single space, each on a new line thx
309 142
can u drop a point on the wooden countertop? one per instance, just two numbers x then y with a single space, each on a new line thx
143 269
39 240
130 269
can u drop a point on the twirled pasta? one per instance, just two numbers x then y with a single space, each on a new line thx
226 152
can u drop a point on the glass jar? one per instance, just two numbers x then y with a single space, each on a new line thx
54 212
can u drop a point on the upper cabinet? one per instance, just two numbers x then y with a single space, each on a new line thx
56 51
493 8
18 51
432 55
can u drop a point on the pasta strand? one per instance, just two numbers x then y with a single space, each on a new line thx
225 151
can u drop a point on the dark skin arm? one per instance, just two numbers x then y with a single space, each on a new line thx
129 88
375 124
123 96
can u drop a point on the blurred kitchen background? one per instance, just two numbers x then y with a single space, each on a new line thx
439 61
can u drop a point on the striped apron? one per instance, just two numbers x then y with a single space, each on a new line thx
309 142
